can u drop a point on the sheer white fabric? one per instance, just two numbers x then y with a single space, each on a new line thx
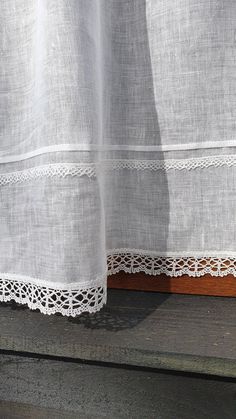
117 145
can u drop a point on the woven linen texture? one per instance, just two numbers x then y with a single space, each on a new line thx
117 145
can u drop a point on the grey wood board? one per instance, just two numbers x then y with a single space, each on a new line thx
114 393
13 410
181 332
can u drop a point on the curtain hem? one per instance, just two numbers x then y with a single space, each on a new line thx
74 299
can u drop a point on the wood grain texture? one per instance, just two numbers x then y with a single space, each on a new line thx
205 285
13 410
144 329
114 393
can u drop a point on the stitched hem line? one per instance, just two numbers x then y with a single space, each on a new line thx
8 158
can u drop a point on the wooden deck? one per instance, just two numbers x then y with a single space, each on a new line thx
134 359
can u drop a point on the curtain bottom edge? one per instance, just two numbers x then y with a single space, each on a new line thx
75 300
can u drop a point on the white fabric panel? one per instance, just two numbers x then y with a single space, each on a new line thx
117 145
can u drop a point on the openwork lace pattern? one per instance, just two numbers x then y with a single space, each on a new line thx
173 164
133 262
74 300
61 170
68 302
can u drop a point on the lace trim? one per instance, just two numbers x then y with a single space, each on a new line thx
74 299
174 164
62 170
70 301
133 262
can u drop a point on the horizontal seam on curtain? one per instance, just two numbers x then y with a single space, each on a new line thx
55 285
93 147
62 170
173 255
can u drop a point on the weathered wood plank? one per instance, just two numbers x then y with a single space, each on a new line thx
12 410
107 392
180 332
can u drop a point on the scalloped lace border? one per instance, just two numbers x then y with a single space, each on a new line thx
74 299
62 170
173 164
133 262
69 300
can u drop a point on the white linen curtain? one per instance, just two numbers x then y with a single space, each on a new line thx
117 145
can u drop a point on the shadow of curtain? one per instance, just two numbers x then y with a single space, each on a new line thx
131 118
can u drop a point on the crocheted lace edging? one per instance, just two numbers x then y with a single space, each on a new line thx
61 170
74 299
133 262
68 300
172 164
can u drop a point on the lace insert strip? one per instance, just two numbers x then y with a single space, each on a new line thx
61 170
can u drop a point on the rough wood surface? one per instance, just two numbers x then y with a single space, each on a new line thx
12 410
107 392
179 332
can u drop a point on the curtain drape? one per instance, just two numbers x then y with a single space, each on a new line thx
117 145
